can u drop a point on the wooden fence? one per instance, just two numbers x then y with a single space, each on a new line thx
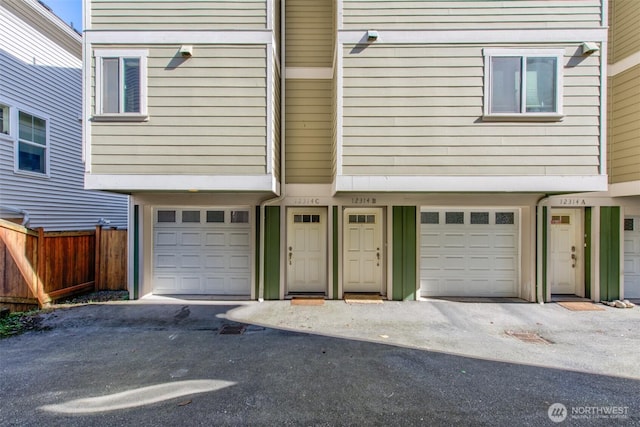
38 267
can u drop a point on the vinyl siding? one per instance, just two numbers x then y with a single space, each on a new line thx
429 15
624 137
624 32
178 15
309 131
417 110
39 74
276 122
310 33
207 115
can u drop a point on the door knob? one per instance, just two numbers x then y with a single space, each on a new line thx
573 248
290 257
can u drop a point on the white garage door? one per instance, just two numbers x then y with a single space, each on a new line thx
632 257
469 252
202 251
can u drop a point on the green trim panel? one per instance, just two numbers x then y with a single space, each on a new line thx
588 212
272 253
257 252
609 253
545 250
136 251
404 253
335 252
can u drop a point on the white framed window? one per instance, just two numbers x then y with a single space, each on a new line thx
32 145
121 84
523 84
5 120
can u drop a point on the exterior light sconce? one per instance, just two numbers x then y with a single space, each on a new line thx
372 35
589 47
186 51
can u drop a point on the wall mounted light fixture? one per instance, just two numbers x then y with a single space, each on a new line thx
186 51
589 47
372 35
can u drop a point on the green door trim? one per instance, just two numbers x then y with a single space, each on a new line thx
404 246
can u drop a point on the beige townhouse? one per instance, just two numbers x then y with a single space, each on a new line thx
410 149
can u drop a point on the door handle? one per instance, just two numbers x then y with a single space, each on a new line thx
290 254
573 256
378 257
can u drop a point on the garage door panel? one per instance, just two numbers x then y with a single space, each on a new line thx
215 239
459 258
215 262
165 283
166 261
632 257
479 263
190 261
166 238
239 239
239 262
190 238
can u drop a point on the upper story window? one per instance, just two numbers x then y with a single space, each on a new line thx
33 143
4 119
523 84
121 84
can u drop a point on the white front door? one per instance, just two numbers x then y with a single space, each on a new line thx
306 250
632 257
363 251
566 253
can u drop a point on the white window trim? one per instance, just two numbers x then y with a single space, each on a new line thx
14 133
8 121
99 54
524 116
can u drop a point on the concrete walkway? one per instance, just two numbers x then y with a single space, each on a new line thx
604 342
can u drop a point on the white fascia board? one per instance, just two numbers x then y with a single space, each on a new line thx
316 73
180 37
624 64
625 189
133 183
441 184
476 36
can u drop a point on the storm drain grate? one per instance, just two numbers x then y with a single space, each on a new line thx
232 330
528 337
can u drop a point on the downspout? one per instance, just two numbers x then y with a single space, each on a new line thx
25 214
540 251
283 168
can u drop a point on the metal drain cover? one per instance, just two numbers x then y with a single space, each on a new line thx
232 330
528 337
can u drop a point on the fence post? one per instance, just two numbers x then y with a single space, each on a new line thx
41 270
98 261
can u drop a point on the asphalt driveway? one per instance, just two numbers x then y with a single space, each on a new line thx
170 362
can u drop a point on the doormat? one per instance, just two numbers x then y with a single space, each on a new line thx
528 337
363 298
580 306
307 301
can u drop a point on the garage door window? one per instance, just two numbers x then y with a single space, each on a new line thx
191 216
454 217
215 216
239 217
430 217
479 217
505 218
167 216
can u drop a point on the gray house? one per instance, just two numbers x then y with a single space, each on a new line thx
41 155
